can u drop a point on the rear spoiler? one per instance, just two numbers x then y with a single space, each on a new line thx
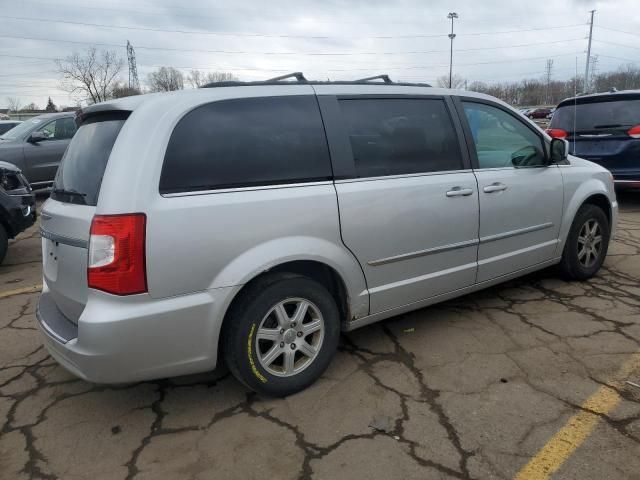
100 113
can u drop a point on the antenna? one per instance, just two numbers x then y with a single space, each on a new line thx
133 71
575 106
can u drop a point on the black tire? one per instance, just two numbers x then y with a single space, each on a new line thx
245 318
4 243
570 265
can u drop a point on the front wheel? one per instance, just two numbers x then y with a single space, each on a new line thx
281 334
587 244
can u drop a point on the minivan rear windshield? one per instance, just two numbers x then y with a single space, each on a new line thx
597 115
83 164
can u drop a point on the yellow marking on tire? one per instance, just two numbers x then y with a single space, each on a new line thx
254 369
21 291
577 429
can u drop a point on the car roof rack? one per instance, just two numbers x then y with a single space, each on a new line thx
301 79
299 76
385 79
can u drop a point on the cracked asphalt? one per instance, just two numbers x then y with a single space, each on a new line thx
472 388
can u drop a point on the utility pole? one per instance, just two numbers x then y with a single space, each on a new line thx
452 35
586 70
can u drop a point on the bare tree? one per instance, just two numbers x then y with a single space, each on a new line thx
13 103
121 89
456 81
198 78
30 107
165 79
91 76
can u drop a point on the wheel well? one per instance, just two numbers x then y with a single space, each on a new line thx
600 200
320 272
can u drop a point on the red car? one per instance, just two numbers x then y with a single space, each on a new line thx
539 113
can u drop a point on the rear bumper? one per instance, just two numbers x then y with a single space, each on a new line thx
129 339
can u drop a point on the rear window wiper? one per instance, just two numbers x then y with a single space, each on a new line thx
71 193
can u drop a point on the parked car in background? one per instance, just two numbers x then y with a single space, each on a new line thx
255 222
36 146
538 113
551 113
603 128
6 125
17 205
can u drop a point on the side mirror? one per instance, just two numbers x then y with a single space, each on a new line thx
36 137
559 150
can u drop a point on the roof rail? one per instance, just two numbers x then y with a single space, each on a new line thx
299 76
301 79
385 78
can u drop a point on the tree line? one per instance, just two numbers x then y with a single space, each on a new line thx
535 91
95 76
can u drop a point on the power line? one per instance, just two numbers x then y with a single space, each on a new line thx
619 31
616 44
264 35
245 52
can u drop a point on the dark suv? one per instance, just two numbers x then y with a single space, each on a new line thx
17 205
36 146
603 128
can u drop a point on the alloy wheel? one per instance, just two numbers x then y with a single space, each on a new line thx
289 337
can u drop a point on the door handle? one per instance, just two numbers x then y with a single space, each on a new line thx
495 187
459 192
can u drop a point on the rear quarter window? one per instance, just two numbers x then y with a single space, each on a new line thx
247 142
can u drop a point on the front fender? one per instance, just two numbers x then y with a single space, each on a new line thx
268 255
575 197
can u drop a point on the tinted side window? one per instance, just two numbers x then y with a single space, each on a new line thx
400 136
253 141
502 140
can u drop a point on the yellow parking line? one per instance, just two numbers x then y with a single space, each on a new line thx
560 447
20 291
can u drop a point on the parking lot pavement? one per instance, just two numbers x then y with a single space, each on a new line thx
525 379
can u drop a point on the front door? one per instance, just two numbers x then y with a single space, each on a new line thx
409 212
42 158
521 196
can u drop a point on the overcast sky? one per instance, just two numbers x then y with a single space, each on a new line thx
497 40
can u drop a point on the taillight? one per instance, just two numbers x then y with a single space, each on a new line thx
634 132
556 133
117 254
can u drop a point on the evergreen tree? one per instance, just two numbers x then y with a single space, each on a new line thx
51 107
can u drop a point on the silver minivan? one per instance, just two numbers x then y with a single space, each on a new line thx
251 223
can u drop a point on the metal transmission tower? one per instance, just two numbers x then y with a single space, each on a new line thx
133 71
548 73
586 70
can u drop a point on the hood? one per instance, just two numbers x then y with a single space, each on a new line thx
8 167
581 162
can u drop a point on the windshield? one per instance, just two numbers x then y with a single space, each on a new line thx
596 116
82 167
22 129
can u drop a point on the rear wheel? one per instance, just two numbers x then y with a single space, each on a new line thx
587 244
281 334
4 243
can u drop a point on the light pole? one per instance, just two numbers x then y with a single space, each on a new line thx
452 35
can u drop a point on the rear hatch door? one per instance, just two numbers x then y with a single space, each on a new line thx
67 215
597 130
